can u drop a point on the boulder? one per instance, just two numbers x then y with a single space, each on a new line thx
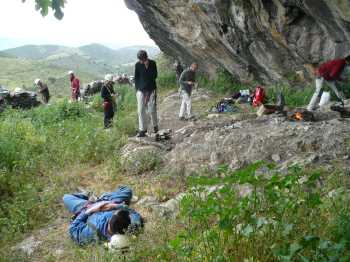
23 99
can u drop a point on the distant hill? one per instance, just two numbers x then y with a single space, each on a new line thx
93 52
40 51
17 72
21 65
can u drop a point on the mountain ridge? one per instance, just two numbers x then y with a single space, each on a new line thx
94 51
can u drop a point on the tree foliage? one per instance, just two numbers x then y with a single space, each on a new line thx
44 5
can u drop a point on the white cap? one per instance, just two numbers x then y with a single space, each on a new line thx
37 81
109 77
71 72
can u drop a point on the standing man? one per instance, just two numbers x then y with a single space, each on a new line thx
75 85
109 103
187 81
43 90
331 72
146 92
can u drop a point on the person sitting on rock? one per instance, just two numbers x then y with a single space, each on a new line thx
99 220
75 85
331 72
43 90
109 103
187 81
146 92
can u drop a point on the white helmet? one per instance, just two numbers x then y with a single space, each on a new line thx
119 242
70 72
37 81
109 77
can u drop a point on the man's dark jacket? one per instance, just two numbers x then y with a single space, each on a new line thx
145 78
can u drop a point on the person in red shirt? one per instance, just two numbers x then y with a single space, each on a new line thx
75 85
329 72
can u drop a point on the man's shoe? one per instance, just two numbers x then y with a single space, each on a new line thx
156 129
182 118
141 134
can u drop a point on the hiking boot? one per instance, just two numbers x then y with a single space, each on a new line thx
141 134
191 118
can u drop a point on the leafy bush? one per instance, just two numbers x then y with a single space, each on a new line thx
279 218
293 96
223 82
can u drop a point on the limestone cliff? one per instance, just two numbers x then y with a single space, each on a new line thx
267 40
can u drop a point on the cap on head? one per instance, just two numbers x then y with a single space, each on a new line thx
109 77
142 55
70 72
37 81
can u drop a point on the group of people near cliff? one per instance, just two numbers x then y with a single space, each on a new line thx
145 77
110 214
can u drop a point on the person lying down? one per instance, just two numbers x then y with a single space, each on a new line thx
108 218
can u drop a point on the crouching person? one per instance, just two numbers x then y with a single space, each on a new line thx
109 104
187 81
43 90
330 72
100 220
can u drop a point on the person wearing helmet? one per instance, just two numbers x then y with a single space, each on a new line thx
330 72
146 91
43 90
108 96
75 85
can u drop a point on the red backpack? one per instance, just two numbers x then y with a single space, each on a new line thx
259 96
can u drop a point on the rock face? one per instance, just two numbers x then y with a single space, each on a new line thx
267 40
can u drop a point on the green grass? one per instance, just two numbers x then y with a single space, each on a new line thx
36 145
284 218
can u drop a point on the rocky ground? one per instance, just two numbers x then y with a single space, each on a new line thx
204 144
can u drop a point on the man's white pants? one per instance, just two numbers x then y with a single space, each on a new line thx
146 107
186 105
319 84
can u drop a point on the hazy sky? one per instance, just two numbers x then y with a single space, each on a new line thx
84 22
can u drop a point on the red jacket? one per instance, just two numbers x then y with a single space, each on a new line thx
332 70
75 83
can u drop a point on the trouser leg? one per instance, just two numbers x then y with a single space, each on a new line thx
334 88
122 194
315 97
108 116
189 105
152 109
141 110
183 104
74 202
